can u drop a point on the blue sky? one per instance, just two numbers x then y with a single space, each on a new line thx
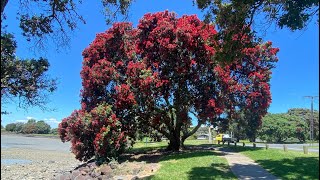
296 74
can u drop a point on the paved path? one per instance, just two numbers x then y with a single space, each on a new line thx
244 167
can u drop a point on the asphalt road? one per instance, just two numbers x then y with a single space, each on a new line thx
55 144
296 147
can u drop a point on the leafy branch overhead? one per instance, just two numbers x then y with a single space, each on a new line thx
292 14
57 18
24 79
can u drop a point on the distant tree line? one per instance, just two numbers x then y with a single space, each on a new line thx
293 125
31 127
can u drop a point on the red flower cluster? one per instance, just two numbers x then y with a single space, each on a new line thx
96 133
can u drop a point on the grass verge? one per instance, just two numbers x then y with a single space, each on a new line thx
193 165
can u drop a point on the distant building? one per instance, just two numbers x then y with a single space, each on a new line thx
203 136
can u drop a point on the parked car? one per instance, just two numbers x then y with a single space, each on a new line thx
225 138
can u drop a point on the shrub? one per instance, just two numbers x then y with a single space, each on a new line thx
10 127
95 134
19 126
29 128
54 131
43 127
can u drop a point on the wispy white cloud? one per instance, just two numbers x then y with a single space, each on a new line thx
52 120
22 120
29 117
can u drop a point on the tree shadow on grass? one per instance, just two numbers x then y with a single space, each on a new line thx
215 171
155 156
297 168
240 148
293 168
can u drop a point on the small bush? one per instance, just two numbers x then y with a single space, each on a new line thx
43 127
29 128
10 127
97 133
19 126
54 131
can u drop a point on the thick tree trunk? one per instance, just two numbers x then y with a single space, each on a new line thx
182 143
174 144
252 138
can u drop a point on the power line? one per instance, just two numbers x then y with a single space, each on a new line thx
311 119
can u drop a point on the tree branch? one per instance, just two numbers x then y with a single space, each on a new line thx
3 5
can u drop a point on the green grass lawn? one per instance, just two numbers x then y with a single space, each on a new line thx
141 146
188 165
209 165
285 165
193 165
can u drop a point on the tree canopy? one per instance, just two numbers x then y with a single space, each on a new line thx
291 14
293 124
56 19
160 75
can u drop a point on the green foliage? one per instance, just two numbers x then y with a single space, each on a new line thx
19 126
305 116
43 127
239 128
244 125
276 128
2 127
23 79
238 17
280 127
54 131
31 127
292 14
152 134
53 18
10 127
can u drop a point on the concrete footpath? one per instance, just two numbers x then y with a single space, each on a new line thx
244 167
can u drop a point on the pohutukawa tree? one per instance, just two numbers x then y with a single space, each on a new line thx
161 75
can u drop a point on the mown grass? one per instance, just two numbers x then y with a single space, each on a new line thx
189 164
208 165
193 165
285 165
142 146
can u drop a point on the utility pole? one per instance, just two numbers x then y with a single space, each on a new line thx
210 135
311 119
